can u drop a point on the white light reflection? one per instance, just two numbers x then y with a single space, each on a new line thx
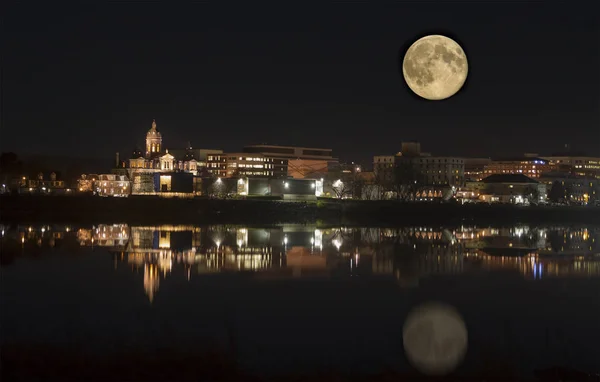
337 243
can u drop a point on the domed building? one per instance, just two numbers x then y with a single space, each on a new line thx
153 141
156 159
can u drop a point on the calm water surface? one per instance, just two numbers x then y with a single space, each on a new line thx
296 298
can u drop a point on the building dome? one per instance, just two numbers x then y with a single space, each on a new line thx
153 132
153 141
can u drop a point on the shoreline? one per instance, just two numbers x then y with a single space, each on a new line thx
148 209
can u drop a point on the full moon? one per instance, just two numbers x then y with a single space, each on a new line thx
435 67
435 338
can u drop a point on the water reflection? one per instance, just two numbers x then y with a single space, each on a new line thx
409 253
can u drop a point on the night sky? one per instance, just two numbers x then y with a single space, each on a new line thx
87 81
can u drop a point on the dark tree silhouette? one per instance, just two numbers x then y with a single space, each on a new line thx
532 193
557 192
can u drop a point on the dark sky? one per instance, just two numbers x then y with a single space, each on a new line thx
87 81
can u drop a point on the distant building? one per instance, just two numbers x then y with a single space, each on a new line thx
86 182
580 165
201 155
474 168
532 167
42 185
432 171
383 163
229 165
302 162
142 166
112 185
411 149
179 184
294 189
428 176
157 159
574 188
512 188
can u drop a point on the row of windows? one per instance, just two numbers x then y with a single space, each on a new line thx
578 161
514 163
242 165
460 161
439 172
446 166
255 173
501 165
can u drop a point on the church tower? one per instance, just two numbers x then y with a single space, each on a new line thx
153 141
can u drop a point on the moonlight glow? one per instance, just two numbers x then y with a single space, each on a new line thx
435 67
435 338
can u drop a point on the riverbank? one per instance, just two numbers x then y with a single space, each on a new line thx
156 210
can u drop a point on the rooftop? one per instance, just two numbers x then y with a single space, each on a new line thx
520 159
508 178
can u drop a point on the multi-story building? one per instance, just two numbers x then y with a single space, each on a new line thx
229 165
86 182
112 185
512 188
157 159
302 162
580 165
432 171
142 166
383 167
531 167
474 168
200 155
572 187
43 186
429 176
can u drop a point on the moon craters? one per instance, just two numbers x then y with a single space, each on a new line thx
435 67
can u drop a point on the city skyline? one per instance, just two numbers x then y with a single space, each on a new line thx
87 82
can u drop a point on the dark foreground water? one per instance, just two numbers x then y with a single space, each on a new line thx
297 299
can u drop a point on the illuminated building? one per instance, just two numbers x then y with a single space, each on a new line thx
112 185
432 171
294 189
229 165
300 162
532 167
512 188
43 186
179 184
427 176
383 167
475 167
432 176
86 182
577 165
153 141
157 159
575 188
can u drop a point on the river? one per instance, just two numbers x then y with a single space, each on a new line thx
302 299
